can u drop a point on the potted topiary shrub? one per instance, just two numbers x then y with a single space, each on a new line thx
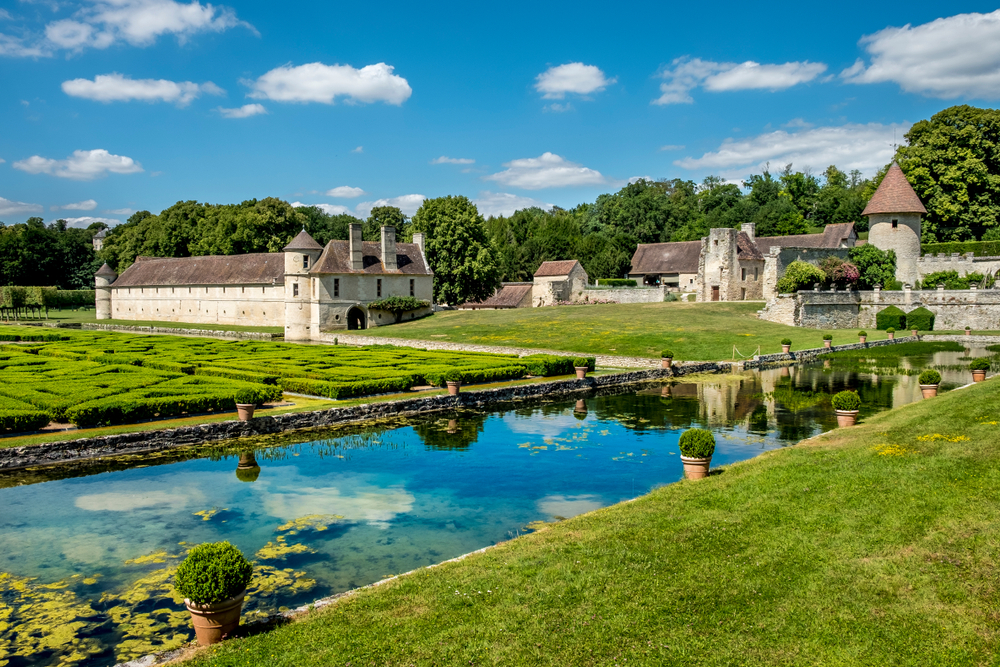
697 446
453 379
786 345
246 403
862 336
914 333
968 331
979 368
581 365
666 358
213 580
827 340
929 381
891 332
847 405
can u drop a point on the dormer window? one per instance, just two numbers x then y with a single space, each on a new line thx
305 261
895 224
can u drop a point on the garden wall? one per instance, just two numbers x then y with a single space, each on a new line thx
624 294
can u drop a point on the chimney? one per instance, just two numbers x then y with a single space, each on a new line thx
354 239
750 229
389 248
418 238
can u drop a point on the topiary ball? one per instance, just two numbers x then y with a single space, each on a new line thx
846 400
981 364
667 354
786 341
697 443
212 572
929 377
581 362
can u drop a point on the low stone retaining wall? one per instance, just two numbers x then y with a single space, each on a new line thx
126 328
153 441
962 338
623 294
805 355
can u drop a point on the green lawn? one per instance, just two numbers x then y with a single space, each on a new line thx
693 331
875 545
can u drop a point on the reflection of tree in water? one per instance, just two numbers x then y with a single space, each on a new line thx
650 410
454 432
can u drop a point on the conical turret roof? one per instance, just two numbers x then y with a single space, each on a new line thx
303 242
894 195
106 272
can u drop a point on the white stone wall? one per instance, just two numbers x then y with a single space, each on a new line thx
243 305
963 264
626 294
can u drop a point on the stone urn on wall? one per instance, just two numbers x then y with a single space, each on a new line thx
891 333
786 345
847 405
914 332
453 380
827 341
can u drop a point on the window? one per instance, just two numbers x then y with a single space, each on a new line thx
378 287
305 261
336 286
715 243
243 290
743 294
315 287
755 274
295 289
412 281
743 274
895 224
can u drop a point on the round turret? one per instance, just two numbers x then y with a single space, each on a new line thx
102 288
894 215
301 256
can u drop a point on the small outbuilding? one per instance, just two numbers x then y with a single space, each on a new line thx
558 281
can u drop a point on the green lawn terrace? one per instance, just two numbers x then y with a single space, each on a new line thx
96 378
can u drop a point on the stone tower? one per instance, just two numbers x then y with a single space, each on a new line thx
300 291
102 285
894 214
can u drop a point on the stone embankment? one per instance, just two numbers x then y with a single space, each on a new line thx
164 439
763 360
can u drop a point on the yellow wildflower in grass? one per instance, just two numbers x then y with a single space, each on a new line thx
892 450
937 436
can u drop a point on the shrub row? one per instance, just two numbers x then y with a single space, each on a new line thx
472 375
234 374
18 421
616 282
14 338
347 389
979 248
548 364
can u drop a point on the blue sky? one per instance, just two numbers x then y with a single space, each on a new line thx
112 106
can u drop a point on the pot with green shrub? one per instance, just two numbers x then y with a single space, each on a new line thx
666 358
697 446
929 381
827 340
847 404
581 366
213 580
891 333
246 403
786 345
453 379
979 368
862 336
968 331
914 333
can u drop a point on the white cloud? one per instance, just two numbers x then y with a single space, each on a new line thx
5 15
2 160
86 205
452 160
119 211
672 147
18 48
408 204
345 192
359 149
244 111
864 147
329 209
86 221
139 22
504 203
576 78
116 87
316 82
689 73
81 165
555 107
546 171
8 207
957 56
636 179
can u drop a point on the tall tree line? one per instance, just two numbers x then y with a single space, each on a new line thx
54 255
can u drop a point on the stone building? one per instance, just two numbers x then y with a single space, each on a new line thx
730 266
307 288
673 266
98 240
558 281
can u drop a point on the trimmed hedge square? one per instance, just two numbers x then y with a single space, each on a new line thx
890 317
920 319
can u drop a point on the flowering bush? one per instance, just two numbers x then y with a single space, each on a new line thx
799 275
839 271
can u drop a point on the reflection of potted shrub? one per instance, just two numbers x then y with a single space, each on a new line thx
847 405
246 403
666 358
929 381
862 336
453 379
979 368
827 340
891 333
213 580
697 446
786 345
580 409
247 469
582 366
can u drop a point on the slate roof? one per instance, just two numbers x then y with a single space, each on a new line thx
105 272
894 195
832 237
303 241
676 257
102 233
336 258
510 295
561 268
252 269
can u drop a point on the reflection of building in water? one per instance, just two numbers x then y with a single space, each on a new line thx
725 402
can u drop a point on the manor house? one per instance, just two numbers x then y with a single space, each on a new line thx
306 288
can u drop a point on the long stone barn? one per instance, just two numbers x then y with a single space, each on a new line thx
306 288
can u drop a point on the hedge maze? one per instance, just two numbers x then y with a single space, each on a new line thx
97 378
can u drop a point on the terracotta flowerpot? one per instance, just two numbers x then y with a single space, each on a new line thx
785 349
968 332
862 339
978 376
891 336
929 390
665 362
914 332
453 388
847 417
581 372
696 468
826 344
215 622
245 411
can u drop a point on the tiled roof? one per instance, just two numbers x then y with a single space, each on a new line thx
510 295
252 269
106 272
745 248
561 268
303 241
832 237
894 195
677 257
835 235
336 258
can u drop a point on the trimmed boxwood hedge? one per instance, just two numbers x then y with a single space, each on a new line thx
890 317
920 319
548 364
18 421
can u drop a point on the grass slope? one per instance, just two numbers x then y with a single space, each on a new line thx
876 545
693 331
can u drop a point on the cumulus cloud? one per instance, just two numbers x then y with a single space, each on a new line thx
316 82
119 211
87 221
576 78
504 203
8 207
345 192
546 171
329 209
244 111
408 204
687 74
854 146
81 165
86 205
452 160
19 47
957 56
116 87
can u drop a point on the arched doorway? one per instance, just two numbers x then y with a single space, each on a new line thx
355 319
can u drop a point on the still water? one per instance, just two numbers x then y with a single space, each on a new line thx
87 553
